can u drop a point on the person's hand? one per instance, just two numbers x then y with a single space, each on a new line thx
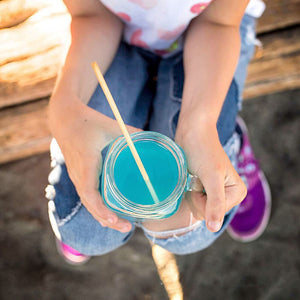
207 159
82 133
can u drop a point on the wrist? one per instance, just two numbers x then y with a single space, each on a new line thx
62 109
68 115
201 122
190 136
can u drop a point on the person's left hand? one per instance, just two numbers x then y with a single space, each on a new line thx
207 159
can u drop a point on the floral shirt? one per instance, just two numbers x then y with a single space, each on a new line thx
158 25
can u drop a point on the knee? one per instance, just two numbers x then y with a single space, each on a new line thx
84 234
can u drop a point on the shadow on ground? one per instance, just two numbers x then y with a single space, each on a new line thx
267 269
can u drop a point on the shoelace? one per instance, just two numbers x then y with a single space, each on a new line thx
247 165
247 168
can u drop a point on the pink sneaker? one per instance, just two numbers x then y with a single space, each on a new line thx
253 215
70 255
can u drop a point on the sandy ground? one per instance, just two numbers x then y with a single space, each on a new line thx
267 269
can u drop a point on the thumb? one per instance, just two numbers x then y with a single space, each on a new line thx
215 204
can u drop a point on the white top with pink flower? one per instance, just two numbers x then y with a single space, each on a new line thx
158 25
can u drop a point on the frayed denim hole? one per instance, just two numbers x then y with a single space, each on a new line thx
177 80
176 238
66 197
238 95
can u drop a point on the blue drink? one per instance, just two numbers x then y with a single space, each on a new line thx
160 165
123 188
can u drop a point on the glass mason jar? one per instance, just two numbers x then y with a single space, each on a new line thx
165 163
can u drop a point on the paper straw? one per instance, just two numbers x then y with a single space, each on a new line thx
124 130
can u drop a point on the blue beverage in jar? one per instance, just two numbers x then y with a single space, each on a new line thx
160 165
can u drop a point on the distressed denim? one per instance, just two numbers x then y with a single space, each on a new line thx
148 92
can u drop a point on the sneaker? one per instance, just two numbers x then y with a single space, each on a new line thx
70 255
253 214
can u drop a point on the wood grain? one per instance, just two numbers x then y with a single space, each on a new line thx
279 14
14 12
24 131
29 79
31 55
278 68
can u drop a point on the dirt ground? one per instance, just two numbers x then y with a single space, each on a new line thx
267 269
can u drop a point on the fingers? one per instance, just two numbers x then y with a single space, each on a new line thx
235 192
94 204
88 190
221 196
197 203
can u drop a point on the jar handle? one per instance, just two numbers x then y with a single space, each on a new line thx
194 184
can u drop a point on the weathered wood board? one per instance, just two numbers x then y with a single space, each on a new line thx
279 14
14 12
24 131
278 68
31 55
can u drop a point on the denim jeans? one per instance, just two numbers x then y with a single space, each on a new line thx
148 92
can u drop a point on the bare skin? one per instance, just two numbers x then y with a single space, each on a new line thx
82 132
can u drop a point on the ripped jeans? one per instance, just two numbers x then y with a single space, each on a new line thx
148 93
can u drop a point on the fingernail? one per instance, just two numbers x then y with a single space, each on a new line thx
215 226
125 228
111 220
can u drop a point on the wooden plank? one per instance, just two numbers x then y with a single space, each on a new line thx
279 14
277 44
29 79
14 12
278 67
24 131
32 53
34 36
270 87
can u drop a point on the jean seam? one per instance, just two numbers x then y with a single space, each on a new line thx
170 123
172 81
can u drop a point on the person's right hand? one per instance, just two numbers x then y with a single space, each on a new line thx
82 133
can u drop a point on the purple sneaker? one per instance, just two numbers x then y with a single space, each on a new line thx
70 255
254 211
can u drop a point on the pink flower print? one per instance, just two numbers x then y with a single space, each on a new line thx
199 7
170 34
124 16
136 39
146 4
